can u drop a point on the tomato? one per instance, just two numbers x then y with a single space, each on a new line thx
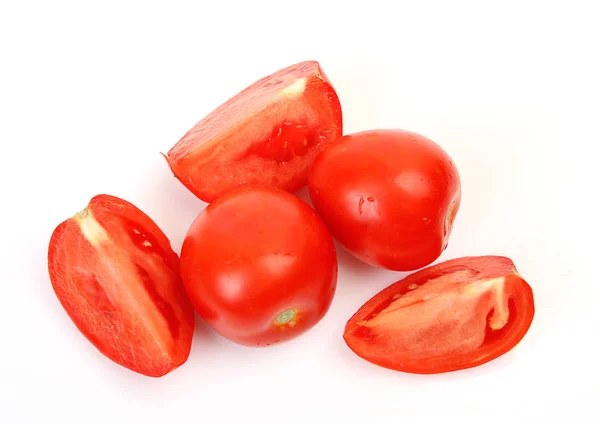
388 196
116 276
268 134
454 315
259 266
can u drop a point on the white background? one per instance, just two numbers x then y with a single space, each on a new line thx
91 93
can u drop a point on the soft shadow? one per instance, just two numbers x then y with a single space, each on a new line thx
203 333
303 194
351 264
363 368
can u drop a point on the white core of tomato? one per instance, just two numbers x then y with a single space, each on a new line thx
496 285
295 89
90 228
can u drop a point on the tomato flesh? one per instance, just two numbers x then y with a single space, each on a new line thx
116 276
268 134
454 315
389 197
259 266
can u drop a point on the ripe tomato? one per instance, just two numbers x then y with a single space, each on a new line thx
454 315
259 266
268 134
116 276
388 196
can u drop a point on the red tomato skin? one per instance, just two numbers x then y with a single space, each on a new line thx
261 137
389 197
382 346
121 275
253 254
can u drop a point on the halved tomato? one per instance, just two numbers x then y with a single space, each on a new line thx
117 277
454 315
268 135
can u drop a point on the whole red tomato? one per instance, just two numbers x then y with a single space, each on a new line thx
388 196
259 266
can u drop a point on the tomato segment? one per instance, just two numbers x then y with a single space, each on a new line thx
116 276
268 134
454 315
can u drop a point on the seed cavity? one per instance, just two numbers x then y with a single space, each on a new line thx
285 142
94 293
164 307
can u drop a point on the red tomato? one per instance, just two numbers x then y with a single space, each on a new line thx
115 274
388 196
259 266
454 315
268 134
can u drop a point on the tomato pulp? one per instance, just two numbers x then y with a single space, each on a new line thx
259 266
389 197
454 315
116 276
268 134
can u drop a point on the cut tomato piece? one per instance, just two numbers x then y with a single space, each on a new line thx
267 135
117 277
454 315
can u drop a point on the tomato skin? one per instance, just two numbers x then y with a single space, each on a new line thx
116 276
254 254
389 197
454 315
268 134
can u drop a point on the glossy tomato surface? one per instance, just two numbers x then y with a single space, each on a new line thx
454 315
389 196
268 134
259 266
116 276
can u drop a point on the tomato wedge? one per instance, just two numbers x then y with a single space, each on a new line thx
268 135
117 277
454 315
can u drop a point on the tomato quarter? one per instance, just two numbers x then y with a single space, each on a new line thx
388 196
268 134
259 266
454 315
116 276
